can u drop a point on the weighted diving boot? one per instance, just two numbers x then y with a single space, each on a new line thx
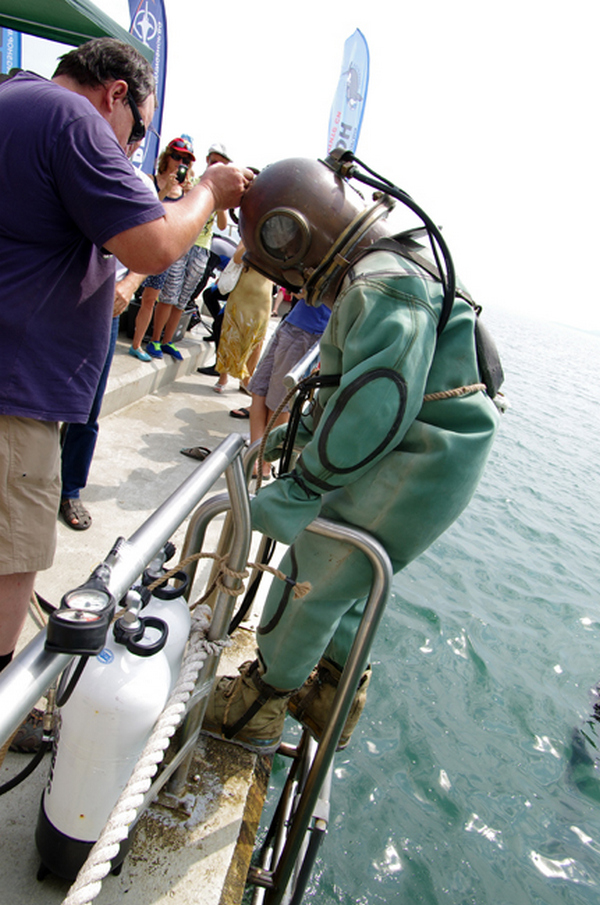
311 704
246 711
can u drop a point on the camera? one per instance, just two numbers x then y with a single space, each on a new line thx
182 172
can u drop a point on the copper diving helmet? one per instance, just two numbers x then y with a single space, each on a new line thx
302 225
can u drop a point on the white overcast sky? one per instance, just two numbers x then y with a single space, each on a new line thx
485 113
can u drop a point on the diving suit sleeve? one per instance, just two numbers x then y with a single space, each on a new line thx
381 337
283 509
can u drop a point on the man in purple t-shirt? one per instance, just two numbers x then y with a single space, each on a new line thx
70 200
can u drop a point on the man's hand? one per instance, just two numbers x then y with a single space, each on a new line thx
227 184
152 247
124 291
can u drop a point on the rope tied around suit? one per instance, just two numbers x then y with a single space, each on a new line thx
457 391
429 397
300 588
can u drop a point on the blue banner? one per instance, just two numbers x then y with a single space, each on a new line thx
350 97
149 25
10 49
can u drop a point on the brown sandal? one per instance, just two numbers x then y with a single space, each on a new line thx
75 514
28 737
196 452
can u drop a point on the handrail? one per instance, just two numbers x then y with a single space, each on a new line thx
303 367
276 881
30 674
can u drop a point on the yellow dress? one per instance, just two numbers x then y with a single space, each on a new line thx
245 322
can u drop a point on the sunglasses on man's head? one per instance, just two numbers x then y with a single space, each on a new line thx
179 158
138 131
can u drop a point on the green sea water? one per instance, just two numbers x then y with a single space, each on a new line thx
473 777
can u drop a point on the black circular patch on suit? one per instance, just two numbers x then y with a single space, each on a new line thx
347 394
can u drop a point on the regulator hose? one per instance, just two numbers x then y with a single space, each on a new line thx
45 746
347 165
33 763
63 694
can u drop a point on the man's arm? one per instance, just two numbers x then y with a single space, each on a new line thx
152 247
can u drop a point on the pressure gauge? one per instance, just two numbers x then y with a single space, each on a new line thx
74 616
90 600
80 624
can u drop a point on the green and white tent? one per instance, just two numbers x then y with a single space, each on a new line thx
66 21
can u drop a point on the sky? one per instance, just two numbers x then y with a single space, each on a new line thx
485 113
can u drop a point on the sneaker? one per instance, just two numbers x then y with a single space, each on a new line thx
154 350
246 711
29 735
311 704
172 350
139 353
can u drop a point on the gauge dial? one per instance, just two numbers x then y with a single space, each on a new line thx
89 599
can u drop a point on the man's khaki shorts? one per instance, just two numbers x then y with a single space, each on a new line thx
29 493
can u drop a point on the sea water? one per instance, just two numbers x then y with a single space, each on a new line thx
473 777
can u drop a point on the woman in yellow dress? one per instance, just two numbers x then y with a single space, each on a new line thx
245 322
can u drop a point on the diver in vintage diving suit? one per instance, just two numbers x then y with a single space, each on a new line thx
377 453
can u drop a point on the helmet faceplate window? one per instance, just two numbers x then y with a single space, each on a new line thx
284 235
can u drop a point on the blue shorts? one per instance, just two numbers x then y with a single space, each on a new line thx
155 281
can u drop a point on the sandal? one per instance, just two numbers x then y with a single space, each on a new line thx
219 387
196 452
239 413
28 737
75 514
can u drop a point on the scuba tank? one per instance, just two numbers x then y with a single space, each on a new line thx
104 725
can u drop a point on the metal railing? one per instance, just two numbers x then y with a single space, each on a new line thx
306 364
275 880
32 672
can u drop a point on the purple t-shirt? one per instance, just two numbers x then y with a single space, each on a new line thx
66 188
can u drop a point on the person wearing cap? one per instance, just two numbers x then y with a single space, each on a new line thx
185 274
58 242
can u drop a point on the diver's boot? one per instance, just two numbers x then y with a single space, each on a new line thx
311 705
246 711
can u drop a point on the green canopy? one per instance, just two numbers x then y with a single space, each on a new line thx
66 21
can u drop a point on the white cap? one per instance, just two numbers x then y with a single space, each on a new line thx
218 148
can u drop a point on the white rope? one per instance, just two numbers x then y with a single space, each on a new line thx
98 864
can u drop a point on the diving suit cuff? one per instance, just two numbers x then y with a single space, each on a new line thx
301 482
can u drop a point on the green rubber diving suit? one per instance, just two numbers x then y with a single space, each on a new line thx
377 456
